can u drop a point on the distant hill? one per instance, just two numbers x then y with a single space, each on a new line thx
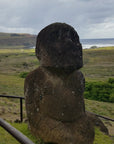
16 40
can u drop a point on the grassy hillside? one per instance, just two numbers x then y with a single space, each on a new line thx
98 63
98 66
12 62
12 40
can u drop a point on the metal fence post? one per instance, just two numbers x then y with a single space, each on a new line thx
21 109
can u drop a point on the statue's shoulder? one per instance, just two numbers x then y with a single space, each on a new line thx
35 76
77 74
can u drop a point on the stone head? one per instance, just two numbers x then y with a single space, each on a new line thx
58 46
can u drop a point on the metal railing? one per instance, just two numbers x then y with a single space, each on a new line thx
21 104
21 108
15 133
104 117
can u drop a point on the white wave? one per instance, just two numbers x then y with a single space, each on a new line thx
84 46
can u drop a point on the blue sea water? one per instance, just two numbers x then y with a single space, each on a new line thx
88 43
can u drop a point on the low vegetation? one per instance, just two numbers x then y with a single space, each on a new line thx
23 74
100 108
6 138
101 138
98 71
101 91
11 85
98 64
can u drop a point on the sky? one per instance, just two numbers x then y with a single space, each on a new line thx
90 18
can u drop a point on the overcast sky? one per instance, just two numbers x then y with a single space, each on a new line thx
90 18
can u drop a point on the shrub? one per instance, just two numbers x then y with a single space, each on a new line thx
23 74
101 91
111 80
111 97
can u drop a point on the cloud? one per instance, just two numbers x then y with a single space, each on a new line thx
17 30
105 30
91 18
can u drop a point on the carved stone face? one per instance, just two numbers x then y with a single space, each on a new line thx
58 46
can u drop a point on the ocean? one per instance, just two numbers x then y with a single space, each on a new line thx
88 43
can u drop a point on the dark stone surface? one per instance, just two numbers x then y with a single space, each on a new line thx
58 46
54 91
97 122
55 107
60 98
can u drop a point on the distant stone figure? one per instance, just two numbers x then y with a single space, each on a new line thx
54 91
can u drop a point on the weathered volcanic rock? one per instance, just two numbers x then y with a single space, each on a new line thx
60 98
97 122
54 91
55 107
58 46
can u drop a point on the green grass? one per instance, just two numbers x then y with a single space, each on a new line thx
101 138
12 62
98 64
101 108
6 138
16 51
102 48
11 47
11 85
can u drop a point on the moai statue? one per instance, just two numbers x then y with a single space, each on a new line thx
54 91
